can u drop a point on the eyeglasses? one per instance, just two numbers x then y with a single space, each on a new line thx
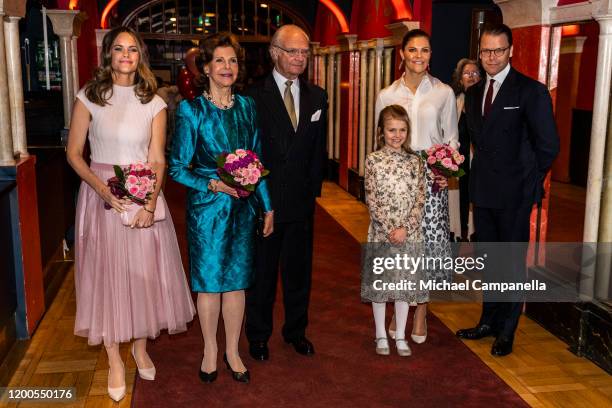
471 74
498 52
294 52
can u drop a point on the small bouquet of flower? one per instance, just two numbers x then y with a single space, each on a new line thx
135 182
443 160
242 170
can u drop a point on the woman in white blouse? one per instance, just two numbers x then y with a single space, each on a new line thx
432 109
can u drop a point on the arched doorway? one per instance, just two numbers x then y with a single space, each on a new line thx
170 27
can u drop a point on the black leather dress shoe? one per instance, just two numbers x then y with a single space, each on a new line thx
243 377
502 346
475 333
208 377
302 345
259 350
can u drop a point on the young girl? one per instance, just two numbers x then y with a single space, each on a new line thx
129 280
395 194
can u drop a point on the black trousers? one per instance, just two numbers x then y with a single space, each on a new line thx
464 198
503 225
289 249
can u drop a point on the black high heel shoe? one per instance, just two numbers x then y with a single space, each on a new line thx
208 377
243 377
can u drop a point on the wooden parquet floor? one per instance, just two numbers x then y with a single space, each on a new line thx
541 369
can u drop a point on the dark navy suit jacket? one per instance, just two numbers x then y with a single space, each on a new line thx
514 146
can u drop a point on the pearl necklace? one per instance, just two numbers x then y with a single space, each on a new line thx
218 104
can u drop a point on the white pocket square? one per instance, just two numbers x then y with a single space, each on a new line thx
315 116
511 107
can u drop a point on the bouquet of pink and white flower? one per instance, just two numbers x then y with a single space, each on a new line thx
135 182
443 160
242 170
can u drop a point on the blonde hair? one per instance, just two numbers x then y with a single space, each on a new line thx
99 89
392 112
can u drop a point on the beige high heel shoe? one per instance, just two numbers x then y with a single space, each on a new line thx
144 373
117 393
415 337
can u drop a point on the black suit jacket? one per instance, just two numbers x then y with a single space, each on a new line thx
296 159
514 146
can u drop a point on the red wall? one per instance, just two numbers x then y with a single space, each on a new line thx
588 66
326 27
368 19
86 43
529 50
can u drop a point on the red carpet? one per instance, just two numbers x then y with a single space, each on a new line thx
345 371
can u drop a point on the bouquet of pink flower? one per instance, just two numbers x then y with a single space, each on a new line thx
135 182
242 170
443 160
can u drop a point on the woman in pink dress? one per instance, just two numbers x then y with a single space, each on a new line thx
129 280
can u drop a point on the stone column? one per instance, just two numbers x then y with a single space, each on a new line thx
63 26
363 98
337 101
15 85
601 105
388 70
100 33
6 140
378 75
331 93
599 184
372 93
76 33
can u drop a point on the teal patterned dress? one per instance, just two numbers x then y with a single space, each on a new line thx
220 229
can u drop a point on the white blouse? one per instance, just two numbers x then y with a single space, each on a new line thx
432 111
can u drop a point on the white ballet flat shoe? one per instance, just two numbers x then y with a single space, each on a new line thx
419 339
116 394
403 349
382 346
144 373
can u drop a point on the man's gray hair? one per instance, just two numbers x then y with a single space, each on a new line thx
282 29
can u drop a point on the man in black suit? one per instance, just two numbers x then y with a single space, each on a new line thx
293 121
512 127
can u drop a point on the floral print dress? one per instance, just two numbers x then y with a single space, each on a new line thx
395 187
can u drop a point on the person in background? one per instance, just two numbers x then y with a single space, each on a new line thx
466 74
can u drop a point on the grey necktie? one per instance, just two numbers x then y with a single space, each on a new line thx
289 105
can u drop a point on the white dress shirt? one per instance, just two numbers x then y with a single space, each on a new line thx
295 90
499 78
432 111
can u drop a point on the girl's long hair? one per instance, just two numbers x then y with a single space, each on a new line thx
99 89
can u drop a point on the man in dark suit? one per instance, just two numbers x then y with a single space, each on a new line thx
512 127
293 121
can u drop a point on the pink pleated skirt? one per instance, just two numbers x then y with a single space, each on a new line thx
130 283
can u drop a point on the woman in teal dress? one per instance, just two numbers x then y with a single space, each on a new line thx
221 227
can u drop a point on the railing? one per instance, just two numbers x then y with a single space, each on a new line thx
371 68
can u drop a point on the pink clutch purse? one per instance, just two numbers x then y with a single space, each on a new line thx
132 209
